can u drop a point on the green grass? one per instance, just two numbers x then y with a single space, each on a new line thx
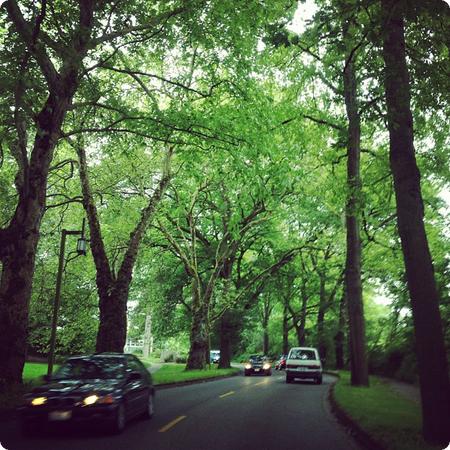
148 361
32 371
174 373
387 416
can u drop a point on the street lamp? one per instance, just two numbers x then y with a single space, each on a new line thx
81 250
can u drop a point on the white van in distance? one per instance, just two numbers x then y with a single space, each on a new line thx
303 362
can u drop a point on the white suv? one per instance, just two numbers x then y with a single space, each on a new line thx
303 362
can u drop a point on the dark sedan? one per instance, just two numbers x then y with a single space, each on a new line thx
258 364
106 389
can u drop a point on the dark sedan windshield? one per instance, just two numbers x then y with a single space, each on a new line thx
104 368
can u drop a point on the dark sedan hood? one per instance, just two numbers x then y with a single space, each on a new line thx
257 363
78 387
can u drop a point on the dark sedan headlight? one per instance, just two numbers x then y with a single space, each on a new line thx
266 366
95 399
38 401
248 366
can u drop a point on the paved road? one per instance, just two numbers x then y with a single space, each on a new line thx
239 413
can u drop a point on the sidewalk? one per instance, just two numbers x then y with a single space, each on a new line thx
154 367
406 390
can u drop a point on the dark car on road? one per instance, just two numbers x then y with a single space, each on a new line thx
258 364
281 363
104 389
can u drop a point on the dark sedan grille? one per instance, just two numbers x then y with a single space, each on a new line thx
62 402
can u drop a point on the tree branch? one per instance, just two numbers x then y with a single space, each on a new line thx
34 46
163 17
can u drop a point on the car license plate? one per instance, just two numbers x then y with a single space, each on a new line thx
301 369
60 415
256 370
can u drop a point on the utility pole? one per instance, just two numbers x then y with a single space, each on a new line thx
81 250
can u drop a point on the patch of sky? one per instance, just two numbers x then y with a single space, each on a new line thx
303 15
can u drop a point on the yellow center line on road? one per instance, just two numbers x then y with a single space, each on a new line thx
227 394
171 424
261 382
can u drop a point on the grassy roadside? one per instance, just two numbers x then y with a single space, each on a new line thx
175 373
389 418
32 371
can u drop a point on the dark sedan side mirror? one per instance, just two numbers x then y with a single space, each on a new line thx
134 376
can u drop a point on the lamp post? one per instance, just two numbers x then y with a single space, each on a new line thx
81 250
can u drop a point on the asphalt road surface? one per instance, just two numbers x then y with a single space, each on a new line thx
238 413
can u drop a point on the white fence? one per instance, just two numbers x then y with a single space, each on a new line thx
137 344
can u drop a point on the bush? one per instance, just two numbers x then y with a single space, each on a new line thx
386 363
408 369
244 357
396 362
168 356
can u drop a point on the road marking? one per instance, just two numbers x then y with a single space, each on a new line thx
227 394
171 424
261 382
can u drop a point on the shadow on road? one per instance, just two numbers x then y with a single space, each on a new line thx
74 432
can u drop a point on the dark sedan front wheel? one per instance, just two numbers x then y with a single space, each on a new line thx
28 428
119 420
150 408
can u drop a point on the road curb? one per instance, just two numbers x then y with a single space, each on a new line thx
360 435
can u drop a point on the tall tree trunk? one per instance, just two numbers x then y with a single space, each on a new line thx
300 330
226 336
18 242
430 347
112 329
148 337
353 286
299 319
199 329
322 346
265 338
339 338
113 289
266 312
227 327
285 345
15 291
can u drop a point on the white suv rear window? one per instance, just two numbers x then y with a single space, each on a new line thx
306 355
